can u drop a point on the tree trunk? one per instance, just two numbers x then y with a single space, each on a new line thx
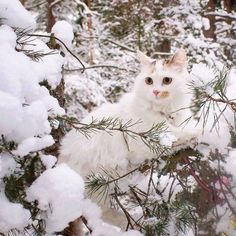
210 33
90 31
50 17
23 2
228 5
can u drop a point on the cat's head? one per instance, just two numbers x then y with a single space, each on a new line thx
161 81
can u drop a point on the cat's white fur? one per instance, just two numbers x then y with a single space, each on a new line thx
102 150
87 155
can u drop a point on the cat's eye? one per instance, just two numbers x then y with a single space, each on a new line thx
148 81
167 80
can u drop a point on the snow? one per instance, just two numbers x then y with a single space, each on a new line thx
59 192
230 165
206 23
77 94
10 107
7 165
49 68
48 160
22 99
12 215
25 104
167 139
7 35
195 42
64 31
202 76
22 18
33 144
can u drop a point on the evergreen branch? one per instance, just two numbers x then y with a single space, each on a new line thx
151 137
24 40
22 36
198 180
59 40
183 216
230 103
37 55
7 146
100 182
129 218
210 95
232 209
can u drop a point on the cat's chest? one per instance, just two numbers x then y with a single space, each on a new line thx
148 119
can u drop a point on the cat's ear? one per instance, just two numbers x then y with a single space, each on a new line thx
179 60
144 60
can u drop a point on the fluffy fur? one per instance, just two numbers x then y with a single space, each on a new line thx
103 150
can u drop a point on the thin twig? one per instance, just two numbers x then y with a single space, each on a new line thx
228 102
84 220
55 3
119 44
96 66
230 16
51 36
36 5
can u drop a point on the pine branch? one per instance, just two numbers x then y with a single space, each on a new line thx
55 38
209 96
7 146
151 137
24 40
100 182
229 103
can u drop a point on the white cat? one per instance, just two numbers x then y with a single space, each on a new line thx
159 91
159 94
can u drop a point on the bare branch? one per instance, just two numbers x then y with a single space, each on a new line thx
96 66
223 15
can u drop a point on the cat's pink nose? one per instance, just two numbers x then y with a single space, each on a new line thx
155 92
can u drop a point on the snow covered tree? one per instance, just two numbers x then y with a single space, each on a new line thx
30 74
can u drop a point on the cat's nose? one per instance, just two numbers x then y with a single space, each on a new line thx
155 92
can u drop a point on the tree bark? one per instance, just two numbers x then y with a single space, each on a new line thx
210 33
90 31
50 17
23 2
228 5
